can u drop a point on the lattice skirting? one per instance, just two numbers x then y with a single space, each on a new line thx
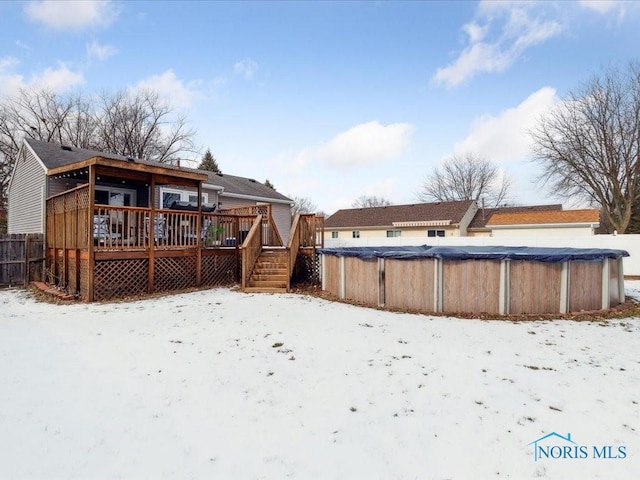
174 273
219 270
72 285
61 278
84 279
120 278
307 269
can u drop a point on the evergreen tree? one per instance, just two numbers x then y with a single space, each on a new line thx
209 163
269 184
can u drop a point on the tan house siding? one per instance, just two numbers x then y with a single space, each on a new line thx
26 195
281 213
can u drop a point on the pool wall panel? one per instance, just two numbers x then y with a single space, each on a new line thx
409 284
471 286
361 280
534 287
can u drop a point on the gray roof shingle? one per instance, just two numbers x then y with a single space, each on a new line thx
385 216
54 155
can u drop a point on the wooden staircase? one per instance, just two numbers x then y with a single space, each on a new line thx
271 272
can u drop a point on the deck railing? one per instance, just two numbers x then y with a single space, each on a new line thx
307 231
270 235
251 249
131 228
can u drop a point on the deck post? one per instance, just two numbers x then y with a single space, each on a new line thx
92 254
76 241
152 234
199 237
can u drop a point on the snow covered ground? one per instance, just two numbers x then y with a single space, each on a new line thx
220 384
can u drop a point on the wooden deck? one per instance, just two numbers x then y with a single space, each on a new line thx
104 252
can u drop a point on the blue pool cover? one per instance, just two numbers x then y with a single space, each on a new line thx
538 254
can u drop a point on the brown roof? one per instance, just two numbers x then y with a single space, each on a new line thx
539 218
386 216
483 215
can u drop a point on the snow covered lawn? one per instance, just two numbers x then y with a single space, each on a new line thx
220 384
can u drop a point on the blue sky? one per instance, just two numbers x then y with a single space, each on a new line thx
332 100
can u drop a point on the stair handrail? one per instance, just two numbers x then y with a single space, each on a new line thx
251 249
293 245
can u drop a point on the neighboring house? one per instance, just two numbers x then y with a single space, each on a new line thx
547 223
440 219
30 186
479 228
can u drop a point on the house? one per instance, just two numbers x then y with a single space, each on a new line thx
440 219
31 183
117 226
479 228
544 223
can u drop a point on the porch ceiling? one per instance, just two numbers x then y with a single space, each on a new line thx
133 170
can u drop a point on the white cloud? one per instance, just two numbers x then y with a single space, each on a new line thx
518 29
600 6
57 79
170 87
505 137
247 68
100 52
61 15
10 81
363 144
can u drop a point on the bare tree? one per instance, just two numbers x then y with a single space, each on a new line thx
128 123
33 114
588 146
468 177
366 201
302 205
140 125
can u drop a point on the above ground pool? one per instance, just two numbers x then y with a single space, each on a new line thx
476 280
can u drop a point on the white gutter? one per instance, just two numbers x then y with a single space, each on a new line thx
210 186
259 199
544 225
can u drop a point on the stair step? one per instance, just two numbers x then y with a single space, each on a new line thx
271 269
262 263
268 283
265 290
261 278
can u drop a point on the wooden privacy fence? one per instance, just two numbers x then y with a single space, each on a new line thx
21 258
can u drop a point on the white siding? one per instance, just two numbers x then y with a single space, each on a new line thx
549 231
26 195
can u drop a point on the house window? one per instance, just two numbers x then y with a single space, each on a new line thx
118 197
435 233
355 234
393 233
334 234
170 195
